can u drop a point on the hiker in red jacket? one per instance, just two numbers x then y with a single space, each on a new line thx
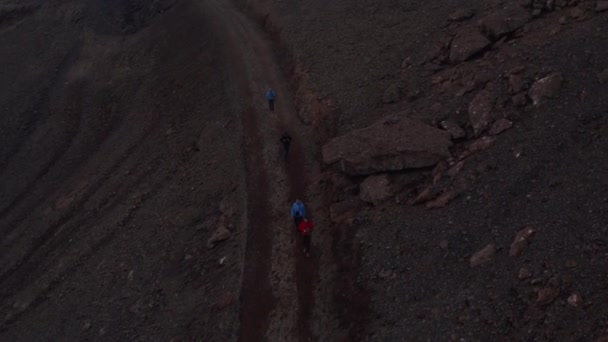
305 229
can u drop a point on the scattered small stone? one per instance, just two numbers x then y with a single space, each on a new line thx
461 15
546 87
536 281
444 244
520 100
525 3
221 234
571 264
601 6
575 300
188 257
500 126
426 195
478 145
521 241
554 281
603 76
226 299
547 295
455 131
524 274
443 200
392 94
385 274
454 170
480 110
483 256
516 84
86 326
436 107
576 12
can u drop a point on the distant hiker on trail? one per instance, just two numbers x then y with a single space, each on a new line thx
298 212
270 95
285 140
305 229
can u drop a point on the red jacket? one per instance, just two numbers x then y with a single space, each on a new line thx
306 227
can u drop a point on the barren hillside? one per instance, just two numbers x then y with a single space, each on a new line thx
453 157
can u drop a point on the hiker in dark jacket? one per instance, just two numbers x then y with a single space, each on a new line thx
298 212
270 96
306 227
285 140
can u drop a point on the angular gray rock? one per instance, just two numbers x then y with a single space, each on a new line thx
546 87
483 256
500 126
521 241
480 110
601 6
546 295
455 131
375 189
466 44
461 15
389 145
221 234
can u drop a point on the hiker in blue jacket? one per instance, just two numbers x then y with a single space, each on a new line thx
270 95
298 212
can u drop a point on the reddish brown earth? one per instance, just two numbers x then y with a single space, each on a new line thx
134 131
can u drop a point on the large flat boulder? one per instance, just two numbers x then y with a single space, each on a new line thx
504 22
389 145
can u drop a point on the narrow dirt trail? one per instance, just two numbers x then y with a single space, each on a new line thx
279 283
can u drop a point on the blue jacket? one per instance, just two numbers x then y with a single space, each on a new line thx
297 209
270 95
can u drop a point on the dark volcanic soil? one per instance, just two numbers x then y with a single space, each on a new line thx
132 132
115 171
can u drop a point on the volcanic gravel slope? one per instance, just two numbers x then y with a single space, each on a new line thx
134 131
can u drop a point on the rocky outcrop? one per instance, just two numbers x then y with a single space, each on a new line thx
480 110
389 145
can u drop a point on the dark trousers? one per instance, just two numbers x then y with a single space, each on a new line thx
297 220
285 150
306 240
271 105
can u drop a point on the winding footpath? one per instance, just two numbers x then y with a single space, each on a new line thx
279 284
